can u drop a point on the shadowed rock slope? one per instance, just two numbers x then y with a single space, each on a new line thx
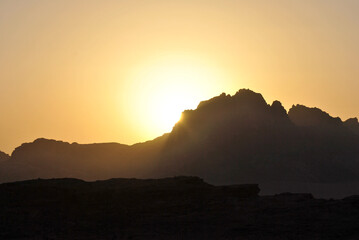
227 139
171 208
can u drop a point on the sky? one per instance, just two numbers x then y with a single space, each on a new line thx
122 71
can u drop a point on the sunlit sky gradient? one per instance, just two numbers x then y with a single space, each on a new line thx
100 71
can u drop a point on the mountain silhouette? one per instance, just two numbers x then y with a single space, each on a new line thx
352 124
226 140
4 156
312 117
241 138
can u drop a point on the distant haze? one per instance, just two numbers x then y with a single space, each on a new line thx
122 71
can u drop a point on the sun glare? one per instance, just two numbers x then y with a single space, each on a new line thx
174 91
167 87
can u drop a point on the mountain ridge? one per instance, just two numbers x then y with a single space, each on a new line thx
226 140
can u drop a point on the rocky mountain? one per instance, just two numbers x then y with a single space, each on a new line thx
4 156
170 208
226 140
45 158
312 117
241 138
352 124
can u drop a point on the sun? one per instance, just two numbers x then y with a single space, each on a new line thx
167 86
167 106
174 87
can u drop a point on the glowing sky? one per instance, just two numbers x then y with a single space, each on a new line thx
106 70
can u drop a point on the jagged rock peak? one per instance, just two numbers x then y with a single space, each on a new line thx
3 156
243 97
352 121
278 109
352 124
301 115
215 101
248 97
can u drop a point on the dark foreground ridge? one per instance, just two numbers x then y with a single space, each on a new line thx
170 208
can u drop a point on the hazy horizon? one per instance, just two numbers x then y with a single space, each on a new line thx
123 71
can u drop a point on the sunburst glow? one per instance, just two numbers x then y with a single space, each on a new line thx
167 87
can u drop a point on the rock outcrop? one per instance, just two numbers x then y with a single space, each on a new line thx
308 117
352 124
4 156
